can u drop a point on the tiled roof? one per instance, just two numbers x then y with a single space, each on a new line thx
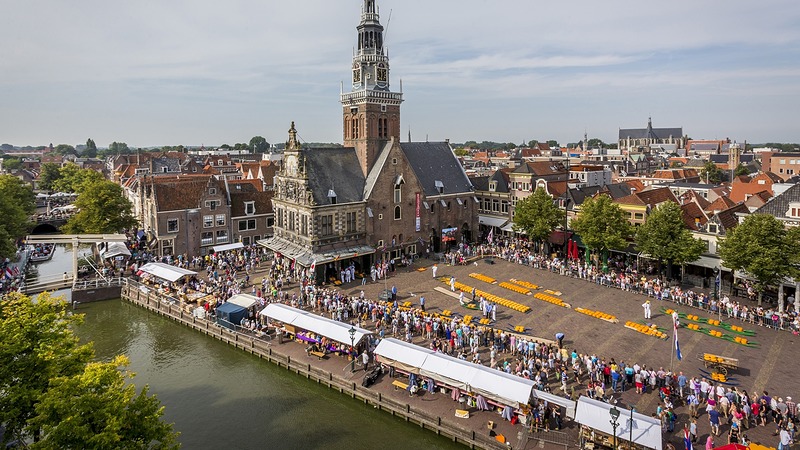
728 218
778 206
720 204
174 194
693 216
435 161
241 193
656 196
337 169
541 168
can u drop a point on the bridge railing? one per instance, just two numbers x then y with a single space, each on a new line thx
100 282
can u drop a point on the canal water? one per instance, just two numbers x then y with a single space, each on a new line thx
221 397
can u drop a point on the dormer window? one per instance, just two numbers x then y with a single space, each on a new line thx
794 210
249 208
492 186
712 228
332 196
212 191
439 186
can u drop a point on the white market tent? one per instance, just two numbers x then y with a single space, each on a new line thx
112 249
165 271
244 300
475 378
402 355
226 247
331 329
568 404
594 414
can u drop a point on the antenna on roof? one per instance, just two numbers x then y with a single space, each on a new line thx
386 30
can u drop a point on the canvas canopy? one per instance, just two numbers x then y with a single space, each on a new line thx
331 329
475 378
566 403
402 355
595 414
112 249
243 300
226 247
165 271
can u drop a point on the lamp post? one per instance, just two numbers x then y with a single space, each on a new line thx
352 333
630 425
614 412
716 294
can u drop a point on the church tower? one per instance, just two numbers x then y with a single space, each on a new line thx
371 111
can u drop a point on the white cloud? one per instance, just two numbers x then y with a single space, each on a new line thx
214 70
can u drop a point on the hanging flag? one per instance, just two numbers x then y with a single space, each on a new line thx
675 332
687 438
313 267
490 238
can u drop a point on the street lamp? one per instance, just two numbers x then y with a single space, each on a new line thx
352 333
614 412
631 427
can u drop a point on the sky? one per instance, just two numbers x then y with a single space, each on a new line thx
152 73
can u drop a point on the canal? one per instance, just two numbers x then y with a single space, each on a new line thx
220 397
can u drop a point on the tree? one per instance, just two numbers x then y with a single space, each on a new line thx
762 247
48 175
602 224
102 209
596 143
12 163
73 179
711 173
53 394
741 170
118 147
65 149
91 148
96 409
552 144
258 144
36 345
461 151
664 236
537 215
533 143
17 203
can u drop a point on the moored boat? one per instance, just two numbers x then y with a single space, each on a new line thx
42 252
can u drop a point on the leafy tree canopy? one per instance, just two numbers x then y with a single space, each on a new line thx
118 147
17 203
461 151
103 209
91 148
741 170
537 215
12 163
664 236
762 247
258 144
97 409
65 149
50 172
74 179
602 224
711 173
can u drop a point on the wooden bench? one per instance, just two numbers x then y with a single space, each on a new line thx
399 384
319 355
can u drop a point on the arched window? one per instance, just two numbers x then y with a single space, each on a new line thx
397 215
398 194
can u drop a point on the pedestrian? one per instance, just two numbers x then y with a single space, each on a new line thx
394 293
434 269
709 443
560 338
365 360
422 303
646 306
452 284
785 440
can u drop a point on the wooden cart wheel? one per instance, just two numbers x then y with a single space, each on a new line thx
723 370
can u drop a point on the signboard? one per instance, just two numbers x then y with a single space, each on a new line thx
449 234
417 212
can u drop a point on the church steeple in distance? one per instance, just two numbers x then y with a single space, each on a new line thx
371 111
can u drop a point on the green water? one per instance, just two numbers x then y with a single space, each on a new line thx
220 397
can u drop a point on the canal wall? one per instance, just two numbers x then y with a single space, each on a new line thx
443 426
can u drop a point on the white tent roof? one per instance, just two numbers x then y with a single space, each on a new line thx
226 247
243 300
112 249
409 356
568 404
332 329
491 383
165 271
594 414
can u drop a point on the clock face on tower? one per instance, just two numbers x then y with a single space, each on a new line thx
356 73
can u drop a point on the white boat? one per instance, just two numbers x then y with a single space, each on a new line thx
42 252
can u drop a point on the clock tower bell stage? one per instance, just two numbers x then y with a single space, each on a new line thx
371 111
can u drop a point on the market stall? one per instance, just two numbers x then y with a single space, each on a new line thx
165 271
230 315
296 320
246 301
601 422
226 247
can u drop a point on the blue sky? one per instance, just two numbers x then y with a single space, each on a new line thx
206 72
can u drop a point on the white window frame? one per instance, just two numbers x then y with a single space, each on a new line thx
249 208
220 220
208 221
177 225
